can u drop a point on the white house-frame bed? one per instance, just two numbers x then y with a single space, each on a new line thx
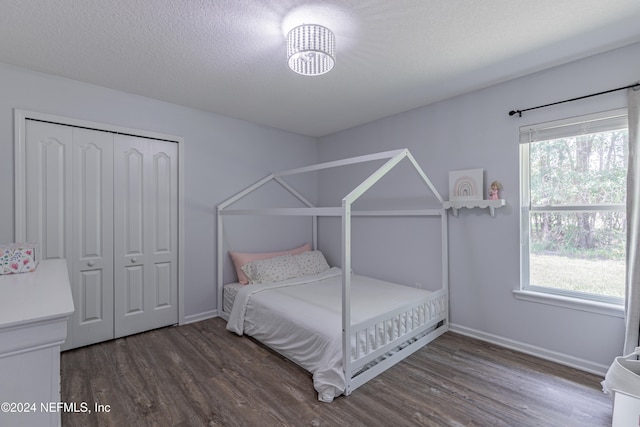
414 324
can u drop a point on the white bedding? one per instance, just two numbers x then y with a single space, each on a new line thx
301 319
229 295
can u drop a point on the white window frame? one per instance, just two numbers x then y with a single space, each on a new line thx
593 123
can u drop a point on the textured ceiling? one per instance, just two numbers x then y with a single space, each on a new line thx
228 56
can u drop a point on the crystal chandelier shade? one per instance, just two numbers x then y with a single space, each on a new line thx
311 49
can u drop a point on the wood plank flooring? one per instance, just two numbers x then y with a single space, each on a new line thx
202 375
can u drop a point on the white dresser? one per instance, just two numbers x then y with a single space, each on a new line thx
34 308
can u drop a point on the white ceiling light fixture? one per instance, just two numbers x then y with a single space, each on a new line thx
311 49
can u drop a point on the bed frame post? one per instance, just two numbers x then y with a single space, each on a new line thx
445 261
220 251
346 294
314 232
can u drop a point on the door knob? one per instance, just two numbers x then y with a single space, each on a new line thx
91 263
133 260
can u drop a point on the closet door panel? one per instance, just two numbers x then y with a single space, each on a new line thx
53 197
145 224
48 180
131 208
134 290
163 278
92 233
164 231
133 201
91 186
90 303
162 200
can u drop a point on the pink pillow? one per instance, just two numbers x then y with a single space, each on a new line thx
241 258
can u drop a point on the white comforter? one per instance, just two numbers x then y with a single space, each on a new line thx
301 319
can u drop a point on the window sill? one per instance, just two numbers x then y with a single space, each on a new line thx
606 309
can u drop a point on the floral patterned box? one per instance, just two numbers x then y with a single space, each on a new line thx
18 258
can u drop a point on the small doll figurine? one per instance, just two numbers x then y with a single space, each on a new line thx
494 189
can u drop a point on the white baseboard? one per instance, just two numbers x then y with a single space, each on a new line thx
563 359
200 316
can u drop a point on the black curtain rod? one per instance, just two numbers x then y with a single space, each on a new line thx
519 112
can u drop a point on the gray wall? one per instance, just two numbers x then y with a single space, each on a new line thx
222 156
475 131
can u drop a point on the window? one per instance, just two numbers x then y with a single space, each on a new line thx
573 206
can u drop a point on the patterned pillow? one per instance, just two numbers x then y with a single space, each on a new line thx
272 269
241 258
311 262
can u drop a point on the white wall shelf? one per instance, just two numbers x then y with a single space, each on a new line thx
470 204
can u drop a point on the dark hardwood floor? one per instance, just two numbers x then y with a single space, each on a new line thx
202 375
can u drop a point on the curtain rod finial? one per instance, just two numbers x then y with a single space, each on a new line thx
512 112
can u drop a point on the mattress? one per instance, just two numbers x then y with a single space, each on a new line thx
302 319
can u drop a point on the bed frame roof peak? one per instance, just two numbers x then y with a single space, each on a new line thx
394 157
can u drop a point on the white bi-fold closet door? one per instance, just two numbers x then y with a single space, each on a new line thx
108 203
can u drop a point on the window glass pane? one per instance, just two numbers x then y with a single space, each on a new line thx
580 170
574 188
578 251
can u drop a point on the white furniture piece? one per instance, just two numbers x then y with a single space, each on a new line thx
626 409
470 204
34 308
378 358
108 204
